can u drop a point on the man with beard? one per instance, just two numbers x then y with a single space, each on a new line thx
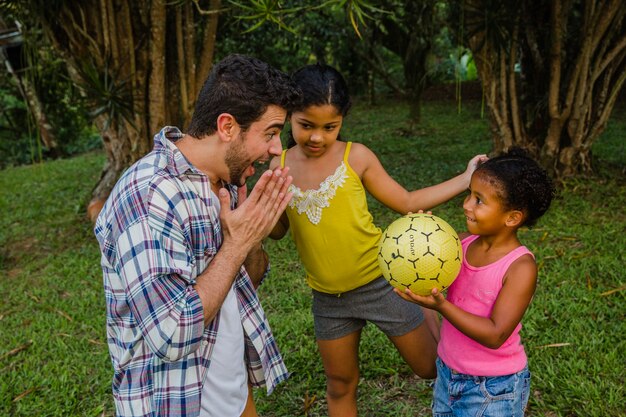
182 253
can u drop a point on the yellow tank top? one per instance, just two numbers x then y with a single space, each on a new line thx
334 232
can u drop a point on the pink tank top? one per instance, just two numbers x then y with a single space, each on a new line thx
475 290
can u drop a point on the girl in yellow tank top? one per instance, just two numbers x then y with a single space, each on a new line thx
337 239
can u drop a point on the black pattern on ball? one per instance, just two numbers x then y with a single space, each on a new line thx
420 251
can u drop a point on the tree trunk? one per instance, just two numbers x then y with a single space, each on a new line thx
409 34
11 56
416 78
144 55
558 108
45 129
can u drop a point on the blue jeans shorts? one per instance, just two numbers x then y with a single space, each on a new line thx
461 395
336 316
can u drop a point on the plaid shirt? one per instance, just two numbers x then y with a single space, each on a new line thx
157 232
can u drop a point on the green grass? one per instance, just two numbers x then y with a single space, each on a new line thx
53 356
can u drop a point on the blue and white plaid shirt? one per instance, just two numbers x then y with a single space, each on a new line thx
157 232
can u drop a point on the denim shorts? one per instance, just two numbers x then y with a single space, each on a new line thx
337 316
462 395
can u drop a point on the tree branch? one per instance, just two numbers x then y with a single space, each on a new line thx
211 12
600 124
104 24
112 21
156 82
604 16
515 114
208 46
190 61
555 61
610 56
180 52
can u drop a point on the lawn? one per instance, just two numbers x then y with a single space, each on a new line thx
54 359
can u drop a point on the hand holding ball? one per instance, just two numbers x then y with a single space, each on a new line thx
420 252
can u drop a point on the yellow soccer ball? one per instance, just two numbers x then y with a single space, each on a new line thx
420 251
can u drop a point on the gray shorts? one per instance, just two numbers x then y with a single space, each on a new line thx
336 315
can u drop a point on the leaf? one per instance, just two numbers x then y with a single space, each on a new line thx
33 297
553 345
16 350
24 394
604 294
64 314
106 93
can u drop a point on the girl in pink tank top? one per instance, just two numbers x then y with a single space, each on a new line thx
482 367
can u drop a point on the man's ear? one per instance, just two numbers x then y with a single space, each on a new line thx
515 218
226 127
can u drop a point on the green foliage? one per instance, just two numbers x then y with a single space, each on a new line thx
54 359
16 145
450 62
276 12
271 43
61 102
340 33
495 18
315 33
106 92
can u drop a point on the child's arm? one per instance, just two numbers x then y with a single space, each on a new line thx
386 190
517 290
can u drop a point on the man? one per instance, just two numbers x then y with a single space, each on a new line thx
182 253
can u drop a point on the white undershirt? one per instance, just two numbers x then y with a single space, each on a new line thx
225 387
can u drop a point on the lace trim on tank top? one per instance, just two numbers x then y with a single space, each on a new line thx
312 202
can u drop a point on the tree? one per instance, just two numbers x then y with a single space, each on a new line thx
551 72
407 28
139 65
12 57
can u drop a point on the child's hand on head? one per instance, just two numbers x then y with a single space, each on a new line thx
475 162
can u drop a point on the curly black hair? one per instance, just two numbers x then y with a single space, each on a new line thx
521 182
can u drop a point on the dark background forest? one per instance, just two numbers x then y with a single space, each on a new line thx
89 74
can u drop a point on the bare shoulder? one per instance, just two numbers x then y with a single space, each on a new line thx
359 149
524 261
523 268
361 157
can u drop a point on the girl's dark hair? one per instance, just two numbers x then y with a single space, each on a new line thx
522 184
320 84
